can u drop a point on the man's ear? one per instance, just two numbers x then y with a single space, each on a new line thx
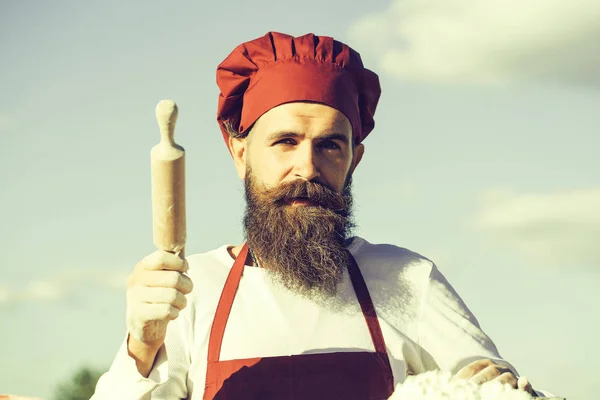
357 156
237 147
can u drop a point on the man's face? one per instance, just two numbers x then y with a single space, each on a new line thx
307 141
297 165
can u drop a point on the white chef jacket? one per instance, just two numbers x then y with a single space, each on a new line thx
424 322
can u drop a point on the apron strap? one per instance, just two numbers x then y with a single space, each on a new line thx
366 305
224 306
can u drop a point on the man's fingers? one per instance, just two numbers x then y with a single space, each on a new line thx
163 260
523 384
167 279
481 371
472 369
160 295
489 373
158 312
508 377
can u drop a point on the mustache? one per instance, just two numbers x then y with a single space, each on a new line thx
312 191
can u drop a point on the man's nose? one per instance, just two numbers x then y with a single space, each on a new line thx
306 163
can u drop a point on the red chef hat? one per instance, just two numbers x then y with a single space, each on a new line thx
278 68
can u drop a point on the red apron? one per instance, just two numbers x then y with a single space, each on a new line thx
345 375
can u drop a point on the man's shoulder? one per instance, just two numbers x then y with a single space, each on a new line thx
397 279
388 257
360 247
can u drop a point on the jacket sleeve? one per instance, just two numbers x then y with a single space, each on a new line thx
167 379
450 336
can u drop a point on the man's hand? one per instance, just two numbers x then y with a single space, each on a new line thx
481 371
155 295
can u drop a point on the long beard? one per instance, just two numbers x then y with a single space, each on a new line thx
303 247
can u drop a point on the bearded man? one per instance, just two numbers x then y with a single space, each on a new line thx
302 309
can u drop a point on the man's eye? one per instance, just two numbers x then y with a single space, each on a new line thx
285 141
330 145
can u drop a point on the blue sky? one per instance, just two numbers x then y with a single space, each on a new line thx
484 159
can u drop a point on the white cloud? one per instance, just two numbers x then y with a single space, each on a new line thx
93 277
484 41
33 291
64 284
559 228
43 291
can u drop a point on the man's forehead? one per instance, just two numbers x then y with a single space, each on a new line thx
303 118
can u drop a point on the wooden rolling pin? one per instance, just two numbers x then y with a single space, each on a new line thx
168 183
